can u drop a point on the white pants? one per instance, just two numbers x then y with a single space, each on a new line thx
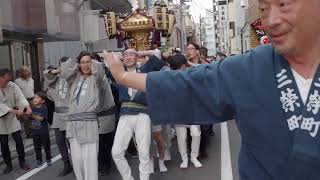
140 125
84 159
195 132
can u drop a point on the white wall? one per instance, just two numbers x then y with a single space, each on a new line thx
210 34
53 51
5 57
237 15
223 29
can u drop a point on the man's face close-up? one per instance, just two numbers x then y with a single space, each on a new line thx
4 80
192 52
25 73
130 59
292 25
85 65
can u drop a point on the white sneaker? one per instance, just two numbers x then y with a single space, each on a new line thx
151 166
167 155
184 164
196 162
162 166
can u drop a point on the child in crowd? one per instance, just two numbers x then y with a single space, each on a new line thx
40 131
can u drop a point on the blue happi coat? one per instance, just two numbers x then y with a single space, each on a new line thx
278 142
153 64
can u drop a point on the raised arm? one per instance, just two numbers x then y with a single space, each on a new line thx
153 64
51 77
196 96
98 71
69 70
129 79
156 53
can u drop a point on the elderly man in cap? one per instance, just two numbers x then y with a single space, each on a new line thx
134 118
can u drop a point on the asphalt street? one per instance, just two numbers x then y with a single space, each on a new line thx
213 168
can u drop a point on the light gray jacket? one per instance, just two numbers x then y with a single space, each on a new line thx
82 121
60 94
10 97
106 108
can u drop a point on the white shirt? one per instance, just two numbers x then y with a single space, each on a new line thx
132 92
157 53
26 86
303 85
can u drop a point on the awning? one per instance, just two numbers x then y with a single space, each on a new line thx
119 6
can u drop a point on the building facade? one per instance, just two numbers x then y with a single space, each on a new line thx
210 40
221 26
239 26
27 27
253 13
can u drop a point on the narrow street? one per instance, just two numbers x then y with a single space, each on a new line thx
212 169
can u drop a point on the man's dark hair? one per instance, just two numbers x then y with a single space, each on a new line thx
196 46
176 51
63 59
177 61
4 71
42 95
221 54
97 57
51 67
204 51
84 53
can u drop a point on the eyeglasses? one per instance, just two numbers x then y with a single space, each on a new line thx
129 54
191 49
85 62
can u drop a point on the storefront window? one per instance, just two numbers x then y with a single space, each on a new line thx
14 55
17 49
5 57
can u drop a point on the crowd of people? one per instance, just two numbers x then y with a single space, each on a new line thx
272 91
96 118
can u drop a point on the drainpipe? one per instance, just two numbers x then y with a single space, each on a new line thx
241 35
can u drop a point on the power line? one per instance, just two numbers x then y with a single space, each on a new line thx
202 7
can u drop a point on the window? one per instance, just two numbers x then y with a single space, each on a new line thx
5 56
232 28
21 53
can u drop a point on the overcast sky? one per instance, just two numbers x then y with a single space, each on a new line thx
197 8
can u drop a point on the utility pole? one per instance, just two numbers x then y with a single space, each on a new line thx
227 28
219 28
200 31
214 25
241 36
